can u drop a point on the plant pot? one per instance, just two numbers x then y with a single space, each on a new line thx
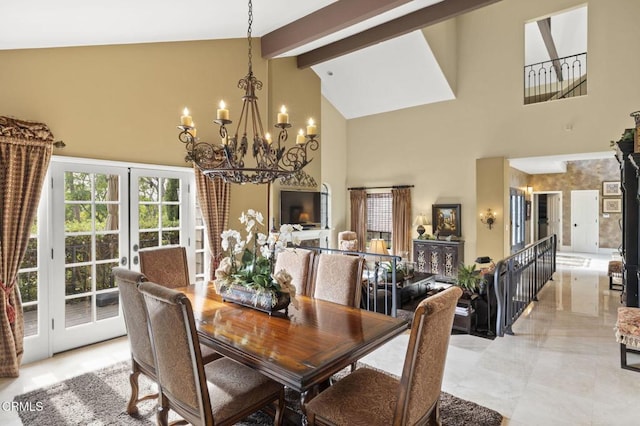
265 301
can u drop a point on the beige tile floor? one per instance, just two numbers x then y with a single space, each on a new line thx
562 366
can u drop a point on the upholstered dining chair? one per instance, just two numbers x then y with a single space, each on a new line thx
298 263
222 392
371 397
337 278
166 266
135 320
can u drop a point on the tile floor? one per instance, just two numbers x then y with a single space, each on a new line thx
562 366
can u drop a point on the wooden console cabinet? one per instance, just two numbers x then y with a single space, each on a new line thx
441 258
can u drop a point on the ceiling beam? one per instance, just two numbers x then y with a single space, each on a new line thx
545 30
329 19
413 21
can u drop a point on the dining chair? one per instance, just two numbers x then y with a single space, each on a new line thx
166 266
298 263
135 321
371 397
222 392
337 278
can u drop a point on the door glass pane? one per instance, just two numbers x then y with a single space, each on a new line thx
107 305
77 280
107 246
78 248
77 311
170 238
27 281
158 211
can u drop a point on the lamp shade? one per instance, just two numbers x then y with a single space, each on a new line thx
378 246
421 219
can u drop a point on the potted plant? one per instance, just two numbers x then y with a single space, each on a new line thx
468 279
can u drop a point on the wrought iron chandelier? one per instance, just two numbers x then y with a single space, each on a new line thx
269 159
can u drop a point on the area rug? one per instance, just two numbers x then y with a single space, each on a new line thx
100 398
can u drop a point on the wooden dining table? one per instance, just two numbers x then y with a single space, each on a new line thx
300 349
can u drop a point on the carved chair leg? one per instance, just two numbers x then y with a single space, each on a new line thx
434 417
132 406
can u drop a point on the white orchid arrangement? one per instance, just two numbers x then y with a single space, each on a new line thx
250 261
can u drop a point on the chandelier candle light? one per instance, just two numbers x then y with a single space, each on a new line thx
271 159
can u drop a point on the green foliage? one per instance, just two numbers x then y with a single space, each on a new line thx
468 277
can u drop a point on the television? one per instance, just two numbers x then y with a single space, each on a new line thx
300 207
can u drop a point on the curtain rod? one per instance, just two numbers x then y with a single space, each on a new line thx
381 187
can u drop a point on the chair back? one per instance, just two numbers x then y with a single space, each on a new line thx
348 240
135 318
337 278
183 384
298 263
165 265
421 381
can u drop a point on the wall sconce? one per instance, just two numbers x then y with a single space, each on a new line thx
421 221
529 190
488 218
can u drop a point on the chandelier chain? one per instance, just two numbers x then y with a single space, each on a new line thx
249 34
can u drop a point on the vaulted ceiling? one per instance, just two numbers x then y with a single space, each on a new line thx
370 54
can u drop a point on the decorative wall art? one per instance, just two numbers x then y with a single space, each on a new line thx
611 205
446 220
611 188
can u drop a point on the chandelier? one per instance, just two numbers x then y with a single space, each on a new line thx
270 159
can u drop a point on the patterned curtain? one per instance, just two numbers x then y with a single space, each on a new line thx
25 151
359 216
401 213
214 196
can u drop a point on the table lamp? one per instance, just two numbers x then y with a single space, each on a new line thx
378 246
421 220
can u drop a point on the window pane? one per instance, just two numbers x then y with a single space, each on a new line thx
170 216
77 186
171 190
30 314
28 285
77 217
77 311
104 278
107 246
77 280
148 189
148 217
149 239
107 305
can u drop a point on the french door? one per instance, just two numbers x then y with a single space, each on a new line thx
101 216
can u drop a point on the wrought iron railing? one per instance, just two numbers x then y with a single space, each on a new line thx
555 79
380 292
518 279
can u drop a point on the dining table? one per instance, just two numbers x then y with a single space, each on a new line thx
301 348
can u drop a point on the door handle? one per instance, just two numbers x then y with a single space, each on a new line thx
135 260
123 261
575 225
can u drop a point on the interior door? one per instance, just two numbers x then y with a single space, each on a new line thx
554 215
584 221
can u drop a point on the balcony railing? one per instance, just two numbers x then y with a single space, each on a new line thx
555 79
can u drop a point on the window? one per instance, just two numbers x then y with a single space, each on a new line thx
379 216
556 56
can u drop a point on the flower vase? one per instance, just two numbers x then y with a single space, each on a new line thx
266 300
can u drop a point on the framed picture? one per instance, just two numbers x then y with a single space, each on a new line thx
611 205
446 219
611 188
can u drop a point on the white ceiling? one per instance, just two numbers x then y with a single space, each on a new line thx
554 163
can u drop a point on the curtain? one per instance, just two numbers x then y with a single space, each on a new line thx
401 213
25 151
359 216
214 196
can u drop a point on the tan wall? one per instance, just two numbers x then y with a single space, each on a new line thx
124 102
582 175
334 168
435 146
490 180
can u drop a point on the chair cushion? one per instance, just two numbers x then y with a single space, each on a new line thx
628 326
364 397
234 387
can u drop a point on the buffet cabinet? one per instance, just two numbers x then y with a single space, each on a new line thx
438 257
